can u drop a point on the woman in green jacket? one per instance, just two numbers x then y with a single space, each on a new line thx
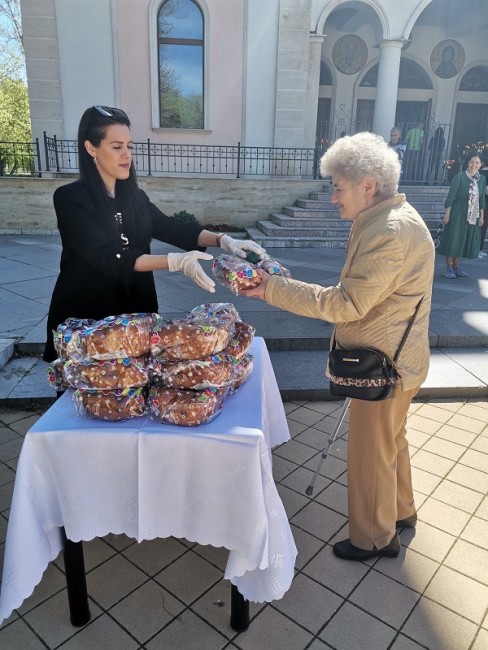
463 218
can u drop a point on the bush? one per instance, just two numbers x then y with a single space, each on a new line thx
222 227
185 217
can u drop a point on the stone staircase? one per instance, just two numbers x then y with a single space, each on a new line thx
315 223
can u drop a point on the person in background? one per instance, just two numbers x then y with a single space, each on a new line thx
436 147
463 217
484 172
414 141
388 269
397 145
106 225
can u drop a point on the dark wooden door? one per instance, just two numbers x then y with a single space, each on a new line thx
470 128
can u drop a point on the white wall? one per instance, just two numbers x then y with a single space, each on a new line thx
261 45
87 58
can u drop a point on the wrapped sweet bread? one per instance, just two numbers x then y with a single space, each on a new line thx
187 408
241 340
194 374
235 273
63 335
113 337
110 405
238 274
186 338
221 310
109 374
242 370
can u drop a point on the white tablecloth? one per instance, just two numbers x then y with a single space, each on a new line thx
210 484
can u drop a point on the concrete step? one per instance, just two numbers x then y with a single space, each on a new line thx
310 204
286 221
331 218
419 202
420 191
292 242
272 229
7 347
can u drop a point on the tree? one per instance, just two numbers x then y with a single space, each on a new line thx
15 124
12 58
15 128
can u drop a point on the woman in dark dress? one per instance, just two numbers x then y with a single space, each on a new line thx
463 217
106 225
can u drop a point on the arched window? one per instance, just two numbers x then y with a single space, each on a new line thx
475 79
181 64
411 76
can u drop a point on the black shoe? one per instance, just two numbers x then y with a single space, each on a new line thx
408 522
348 551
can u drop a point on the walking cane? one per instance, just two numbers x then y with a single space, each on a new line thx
330 440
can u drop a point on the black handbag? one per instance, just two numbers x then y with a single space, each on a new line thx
365 373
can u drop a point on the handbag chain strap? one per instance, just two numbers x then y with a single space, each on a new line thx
407 331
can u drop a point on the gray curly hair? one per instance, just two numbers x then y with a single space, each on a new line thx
365 154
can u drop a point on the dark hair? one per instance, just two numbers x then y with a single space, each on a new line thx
474 154
93 127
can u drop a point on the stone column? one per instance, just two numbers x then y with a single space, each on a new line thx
387 87
292 73
313 85
42 63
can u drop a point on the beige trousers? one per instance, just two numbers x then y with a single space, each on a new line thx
378 466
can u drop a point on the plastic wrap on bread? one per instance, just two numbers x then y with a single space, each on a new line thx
195 374
106 375
239 275
242 370
235 273
113 337
241 340
188 408
225 311
110 405
190 338
63 334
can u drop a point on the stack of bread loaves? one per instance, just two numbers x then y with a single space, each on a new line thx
106 363
195 362
176 371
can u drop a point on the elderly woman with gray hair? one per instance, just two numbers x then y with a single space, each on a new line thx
388 268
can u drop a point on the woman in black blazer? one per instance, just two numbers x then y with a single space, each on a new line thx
106 225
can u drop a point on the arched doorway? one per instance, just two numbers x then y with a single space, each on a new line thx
470 132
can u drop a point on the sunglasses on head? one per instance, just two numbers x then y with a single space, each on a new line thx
107 111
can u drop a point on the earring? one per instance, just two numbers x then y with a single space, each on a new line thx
94 160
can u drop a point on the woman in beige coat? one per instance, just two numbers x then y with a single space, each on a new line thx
388 268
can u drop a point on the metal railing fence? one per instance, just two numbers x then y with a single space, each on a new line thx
20 158
429 164
152 158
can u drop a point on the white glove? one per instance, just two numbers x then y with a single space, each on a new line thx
188 264
241 247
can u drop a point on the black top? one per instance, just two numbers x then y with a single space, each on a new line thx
97 276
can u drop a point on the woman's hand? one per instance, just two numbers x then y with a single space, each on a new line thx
260 290
241 247
447 217
188 264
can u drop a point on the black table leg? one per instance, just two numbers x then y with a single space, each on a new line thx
74 564
239 610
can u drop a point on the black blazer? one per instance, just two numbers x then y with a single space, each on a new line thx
97 276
